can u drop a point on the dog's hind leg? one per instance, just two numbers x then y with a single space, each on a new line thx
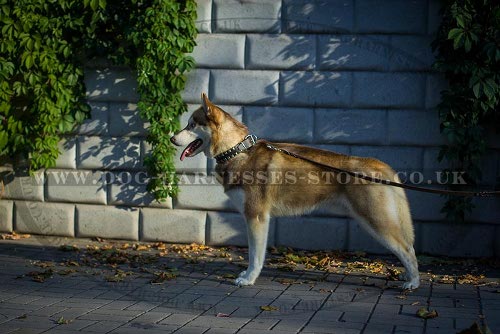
257 229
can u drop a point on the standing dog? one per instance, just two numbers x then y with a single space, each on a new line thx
263 182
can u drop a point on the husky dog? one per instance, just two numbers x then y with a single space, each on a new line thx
263 182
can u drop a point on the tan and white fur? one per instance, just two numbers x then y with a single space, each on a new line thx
382 210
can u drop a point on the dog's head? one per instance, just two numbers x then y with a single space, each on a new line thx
210 129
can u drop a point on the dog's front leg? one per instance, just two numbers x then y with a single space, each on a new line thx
257 230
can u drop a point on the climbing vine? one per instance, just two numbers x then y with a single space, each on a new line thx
468 46
43 48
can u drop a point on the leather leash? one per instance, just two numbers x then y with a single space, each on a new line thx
389 182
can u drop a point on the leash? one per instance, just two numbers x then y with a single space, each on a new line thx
388 182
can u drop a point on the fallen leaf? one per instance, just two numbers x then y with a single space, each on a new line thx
414 303
401 297
62 321
424 313
68 248
222 315
269 308
14 236
229 275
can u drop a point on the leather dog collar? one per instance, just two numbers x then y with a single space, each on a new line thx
242 146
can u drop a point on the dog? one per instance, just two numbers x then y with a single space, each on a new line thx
263 182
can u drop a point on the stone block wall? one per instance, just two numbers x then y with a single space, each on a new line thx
350 76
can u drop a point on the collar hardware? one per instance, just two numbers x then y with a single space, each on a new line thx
242 146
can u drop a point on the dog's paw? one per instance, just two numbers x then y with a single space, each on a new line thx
242 281
243 273
412 285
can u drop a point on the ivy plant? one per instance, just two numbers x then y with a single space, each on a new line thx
43 49
468 47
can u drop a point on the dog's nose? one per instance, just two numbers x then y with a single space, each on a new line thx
172 140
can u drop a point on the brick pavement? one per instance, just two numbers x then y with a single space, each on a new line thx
85 302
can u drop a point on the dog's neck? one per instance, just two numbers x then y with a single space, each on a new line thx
227 135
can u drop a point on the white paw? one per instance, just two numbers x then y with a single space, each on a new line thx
242 281
243 273
411 285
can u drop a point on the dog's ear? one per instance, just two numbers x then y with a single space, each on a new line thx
208 106
211 110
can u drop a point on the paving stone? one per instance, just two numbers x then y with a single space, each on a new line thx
20 185
281 124
392 16
109 153
203 21
394 90
226 322
116 84
244 87
237 16
349 126
77 186
103 326
220 51
107 222
45 218
98 122
124 120
281 52
67 156
319 16
324 233
315 89
184 226
352 52
6 214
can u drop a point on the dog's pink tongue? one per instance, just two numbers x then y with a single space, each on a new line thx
185 152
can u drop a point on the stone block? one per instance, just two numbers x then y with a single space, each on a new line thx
107 222
185 226
433 167
109 153
312 233
201 192
486 210
76 186
97 124
280 124
196 83
45 218
225 228
67 157
124 120
244 87
318 16
392 16
6 215
411 53
351 52
497 241
350 126
434 17
316 89
204 16
361 240
414 127
424 206
435 84
19 185
281 52
402 159
453 239
220 51
247 16
388 90
111 84
129 189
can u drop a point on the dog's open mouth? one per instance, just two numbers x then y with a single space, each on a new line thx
191 148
